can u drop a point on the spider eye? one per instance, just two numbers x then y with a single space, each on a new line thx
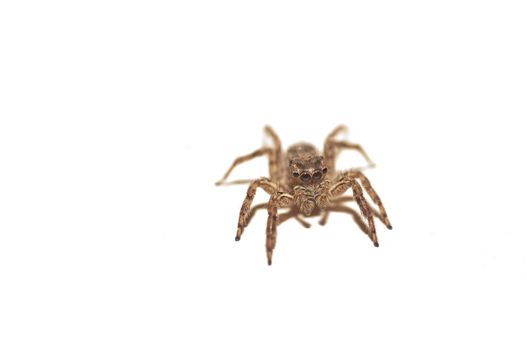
305 177
325 170
295 174
317 175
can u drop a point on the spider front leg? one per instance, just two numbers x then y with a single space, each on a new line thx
278 200
342 186
339 208
244 217
337 203
373 195
253 212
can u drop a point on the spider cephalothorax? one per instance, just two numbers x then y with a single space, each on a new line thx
306 181
305 165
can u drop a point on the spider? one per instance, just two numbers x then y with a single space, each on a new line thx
307 182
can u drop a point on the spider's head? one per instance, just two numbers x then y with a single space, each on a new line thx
308 170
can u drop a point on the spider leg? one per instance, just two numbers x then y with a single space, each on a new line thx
253 212
273 153
342 186
338 130
354 214
281 217
293 213
275 159
244 217
373 195
344 199
324 217
355 146
278 200
302 221
270 231
330 153
290 215
350 198
333 147
258 153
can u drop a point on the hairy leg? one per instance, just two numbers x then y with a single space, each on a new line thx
270 231
302 221
342 186
286 216
275 158
333 147
330 153
281 217
253 212
293 213
278 200
340 145
324 217
273 153
338 130
345 209
258 153
344 199
373 195
268 187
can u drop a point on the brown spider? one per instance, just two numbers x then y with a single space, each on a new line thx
307 183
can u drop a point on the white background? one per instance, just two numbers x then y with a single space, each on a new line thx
118 117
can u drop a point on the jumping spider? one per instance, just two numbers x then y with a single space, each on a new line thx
307 182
